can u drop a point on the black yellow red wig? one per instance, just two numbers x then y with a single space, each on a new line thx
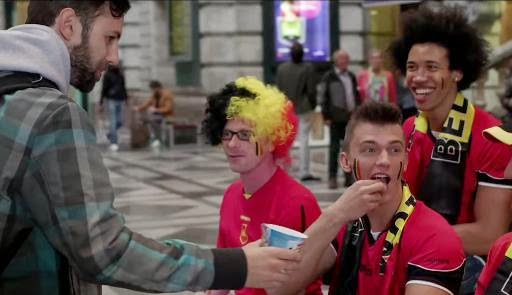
264 107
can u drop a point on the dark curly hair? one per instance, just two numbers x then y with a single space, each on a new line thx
448 27
215 114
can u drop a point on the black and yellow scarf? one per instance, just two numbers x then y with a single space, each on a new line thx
502 281
354 240
442 186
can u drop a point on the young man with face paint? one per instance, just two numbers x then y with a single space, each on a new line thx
459 155
389 242
256 126
59 231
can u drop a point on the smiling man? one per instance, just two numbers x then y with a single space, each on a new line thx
459 156
389 243
256 125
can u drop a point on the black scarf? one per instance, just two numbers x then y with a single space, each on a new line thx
443 184
354 239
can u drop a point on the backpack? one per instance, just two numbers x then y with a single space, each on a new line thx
10 83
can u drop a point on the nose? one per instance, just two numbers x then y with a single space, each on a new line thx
419 76
383 158
234 141
113 55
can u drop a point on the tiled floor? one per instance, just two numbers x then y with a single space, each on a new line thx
168 194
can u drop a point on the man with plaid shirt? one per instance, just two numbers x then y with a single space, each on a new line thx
59 232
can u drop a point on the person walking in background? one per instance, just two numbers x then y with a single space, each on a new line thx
159 106
459 156
338 98
295 79
256 126
114 92
60 233
376 83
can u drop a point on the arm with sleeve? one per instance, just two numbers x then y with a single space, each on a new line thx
493 195
69 192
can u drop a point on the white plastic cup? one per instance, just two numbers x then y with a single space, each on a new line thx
282 237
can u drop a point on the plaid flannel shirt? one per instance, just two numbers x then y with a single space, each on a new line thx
53 180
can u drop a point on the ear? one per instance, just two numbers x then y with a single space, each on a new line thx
68 26
345 162
457 75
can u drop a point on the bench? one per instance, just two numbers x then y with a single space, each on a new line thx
180 131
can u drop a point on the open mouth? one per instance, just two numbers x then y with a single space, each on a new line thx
385 179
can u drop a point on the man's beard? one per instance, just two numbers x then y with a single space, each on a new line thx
82 74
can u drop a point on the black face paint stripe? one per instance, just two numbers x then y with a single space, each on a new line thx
399 171
442 83
257 149
355 170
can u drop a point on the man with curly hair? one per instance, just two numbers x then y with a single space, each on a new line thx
256 126
459 156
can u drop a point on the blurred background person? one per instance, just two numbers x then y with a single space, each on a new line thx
405 98
376 83
295 79
506 97
338 98
159 106
114 92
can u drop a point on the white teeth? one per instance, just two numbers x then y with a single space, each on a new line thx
424 91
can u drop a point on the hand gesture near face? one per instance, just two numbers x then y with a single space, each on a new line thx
360 198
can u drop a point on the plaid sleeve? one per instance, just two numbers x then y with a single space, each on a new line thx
71 199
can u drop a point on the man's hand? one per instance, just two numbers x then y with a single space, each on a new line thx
360 198
269 267
327 122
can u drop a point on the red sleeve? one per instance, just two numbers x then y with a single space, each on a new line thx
224 209
492 162
220 236
408 127
494 260
436 259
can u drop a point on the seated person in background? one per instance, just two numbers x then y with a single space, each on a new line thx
389 243
256 126
159 106
495 278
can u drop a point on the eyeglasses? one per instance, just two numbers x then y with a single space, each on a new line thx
244 135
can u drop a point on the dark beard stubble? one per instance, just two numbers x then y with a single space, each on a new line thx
82 74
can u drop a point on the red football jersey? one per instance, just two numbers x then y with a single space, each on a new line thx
429 253
494 260
282 201
485 165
